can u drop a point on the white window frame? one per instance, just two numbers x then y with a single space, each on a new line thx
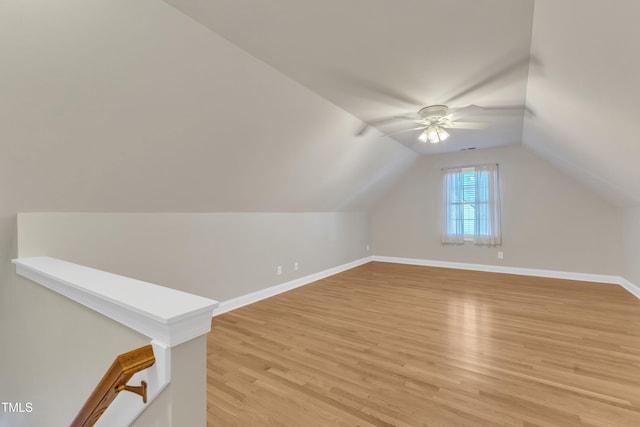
485 204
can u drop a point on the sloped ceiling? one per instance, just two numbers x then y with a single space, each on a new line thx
113 105
381 58
587 99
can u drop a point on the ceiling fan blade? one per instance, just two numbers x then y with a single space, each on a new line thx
373 90
516 109
502 73
475 109
377 122
406 130
464 111
411 116
466 125
362 129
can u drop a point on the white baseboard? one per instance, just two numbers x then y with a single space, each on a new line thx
600 278
584 277
243 300
256 296
635 290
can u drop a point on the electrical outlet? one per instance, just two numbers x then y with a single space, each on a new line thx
367 248
279 270
500 255
295 266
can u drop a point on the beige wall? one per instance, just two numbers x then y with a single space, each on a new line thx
570 87
549 220
120 106
113 105
188 390
216 255
219 256
61 350
54 352
100 112
631 255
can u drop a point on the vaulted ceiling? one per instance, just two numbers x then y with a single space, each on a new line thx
379 59
113 105
586 97
229 105
560 76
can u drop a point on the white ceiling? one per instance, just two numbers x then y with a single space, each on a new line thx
381 58
134 106
573 64
113 105
587 99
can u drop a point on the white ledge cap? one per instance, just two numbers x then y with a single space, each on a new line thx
166 315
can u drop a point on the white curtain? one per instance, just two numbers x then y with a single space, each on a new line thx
452 208
488 222
471 205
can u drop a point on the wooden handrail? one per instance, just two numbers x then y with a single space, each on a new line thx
115 380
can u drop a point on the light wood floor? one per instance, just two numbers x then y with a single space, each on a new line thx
388 344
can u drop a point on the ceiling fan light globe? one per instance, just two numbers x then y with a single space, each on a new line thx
432 134
442 134
423 137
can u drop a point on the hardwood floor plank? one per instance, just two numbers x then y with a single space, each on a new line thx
396 345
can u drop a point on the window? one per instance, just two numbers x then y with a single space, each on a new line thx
471 205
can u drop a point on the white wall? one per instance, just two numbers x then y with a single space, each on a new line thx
113 105
188 390
120 106
631 250
549 220
60 350
219 256
216 255
54 352
585 104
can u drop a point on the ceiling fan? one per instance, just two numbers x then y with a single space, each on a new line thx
435 119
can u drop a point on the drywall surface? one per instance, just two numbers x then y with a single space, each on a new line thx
63 349
584 104
550 221
189 390
219 256
113 105
184 401
631 252
120 106
54 352
226 255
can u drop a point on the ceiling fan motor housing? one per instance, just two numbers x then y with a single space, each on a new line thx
433 113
